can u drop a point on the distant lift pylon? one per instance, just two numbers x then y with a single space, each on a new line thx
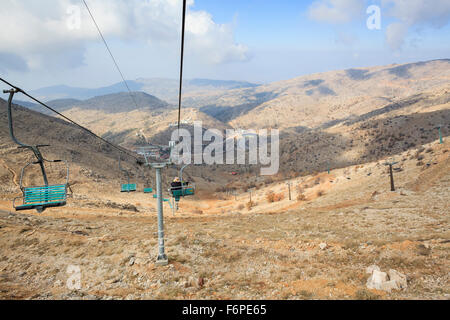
37 197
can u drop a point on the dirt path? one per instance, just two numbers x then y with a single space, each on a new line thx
15 177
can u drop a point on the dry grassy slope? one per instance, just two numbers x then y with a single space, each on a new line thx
315 99
269 252
367 138
308 101
93 164
167 89
132 128
90 159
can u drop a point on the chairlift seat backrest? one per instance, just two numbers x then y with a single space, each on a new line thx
148 190
128 187
44 197
185 191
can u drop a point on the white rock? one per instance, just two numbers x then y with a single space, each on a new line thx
399 278
376 280
323 246
371 268
389 286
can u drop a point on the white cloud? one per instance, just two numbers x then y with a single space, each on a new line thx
336 11
395 35
413 14
203 36
39 35
410 15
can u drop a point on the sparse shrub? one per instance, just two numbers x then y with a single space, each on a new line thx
306 294
279 197
364 294
221 189
250 205
320 193
301 197
422 250
274 197
270 196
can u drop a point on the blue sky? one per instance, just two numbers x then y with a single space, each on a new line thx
253 40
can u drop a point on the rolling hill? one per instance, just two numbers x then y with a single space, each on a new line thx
332 119
163 88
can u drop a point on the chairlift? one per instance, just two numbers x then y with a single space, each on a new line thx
147 188
182 188
127 187
37 197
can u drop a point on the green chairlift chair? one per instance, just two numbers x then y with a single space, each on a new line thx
37 197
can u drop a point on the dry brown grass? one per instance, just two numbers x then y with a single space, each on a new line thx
274 197
301 197
250 205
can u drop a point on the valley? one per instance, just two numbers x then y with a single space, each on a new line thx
308 232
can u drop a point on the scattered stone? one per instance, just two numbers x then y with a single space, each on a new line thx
113 280
389 286
80 232
323 246
423 250
371 268
131 262
201 282
376 280
399 278
393 280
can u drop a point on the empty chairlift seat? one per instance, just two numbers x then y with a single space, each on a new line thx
131 187
43 197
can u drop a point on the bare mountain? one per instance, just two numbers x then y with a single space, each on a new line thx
329 119
317 99
121 102
164 88
111 103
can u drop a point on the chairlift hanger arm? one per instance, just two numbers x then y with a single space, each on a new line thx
181 171
35 149
10 119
